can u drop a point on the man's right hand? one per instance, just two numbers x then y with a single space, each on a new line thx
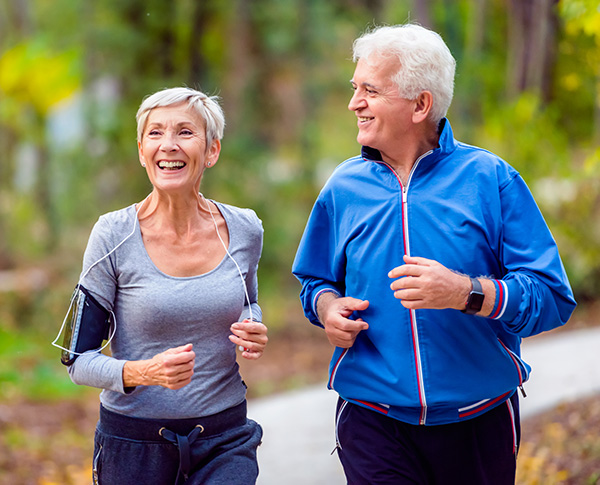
333 313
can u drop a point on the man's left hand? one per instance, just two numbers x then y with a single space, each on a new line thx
425 283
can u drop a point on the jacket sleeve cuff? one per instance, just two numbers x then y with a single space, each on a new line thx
316 294
506 305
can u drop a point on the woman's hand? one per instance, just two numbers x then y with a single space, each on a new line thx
172 369
250 336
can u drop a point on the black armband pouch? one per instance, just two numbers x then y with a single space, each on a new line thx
87 325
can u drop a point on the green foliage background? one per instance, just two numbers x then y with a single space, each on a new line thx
282 69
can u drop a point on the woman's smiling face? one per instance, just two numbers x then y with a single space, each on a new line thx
173 148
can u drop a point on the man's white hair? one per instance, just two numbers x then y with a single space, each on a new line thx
425 62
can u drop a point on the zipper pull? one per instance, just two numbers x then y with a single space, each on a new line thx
523 390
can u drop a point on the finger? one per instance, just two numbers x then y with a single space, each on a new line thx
181 348
347 325
408 269
178 374
408 294
243 345
342 340
248 344
413 304
354 304
173 370
182 358
250 327
345 337
252 354
259 338
406 282
178 383
418 260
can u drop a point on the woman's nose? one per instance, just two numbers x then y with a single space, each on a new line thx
169 144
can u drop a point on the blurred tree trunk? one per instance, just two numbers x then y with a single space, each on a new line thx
239 65
200 18
16 19
475 29
532 39
421 13
43 192
596 131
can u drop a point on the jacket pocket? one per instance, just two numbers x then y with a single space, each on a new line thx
520 366
335 367
338 416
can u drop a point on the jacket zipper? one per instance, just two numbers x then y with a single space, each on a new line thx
516 362
413 316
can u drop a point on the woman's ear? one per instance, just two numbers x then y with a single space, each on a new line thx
140 155
423 106
213 153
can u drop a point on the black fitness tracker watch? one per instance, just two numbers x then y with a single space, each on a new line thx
475 300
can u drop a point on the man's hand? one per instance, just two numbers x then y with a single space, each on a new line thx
333 313
425 283
251 337
172 369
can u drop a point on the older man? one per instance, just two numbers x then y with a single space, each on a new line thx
426 261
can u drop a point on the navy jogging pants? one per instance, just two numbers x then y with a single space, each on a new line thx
375 449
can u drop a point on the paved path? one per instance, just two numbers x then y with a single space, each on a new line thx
298 426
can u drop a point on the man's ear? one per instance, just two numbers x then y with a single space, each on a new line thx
423 105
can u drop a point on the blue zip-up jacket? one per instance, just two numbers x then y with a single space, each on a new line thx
472 212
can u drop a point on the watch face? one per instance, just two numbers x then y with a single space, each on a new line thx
476 301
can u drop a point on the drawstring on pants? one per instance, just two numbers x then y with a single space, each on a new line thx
183 445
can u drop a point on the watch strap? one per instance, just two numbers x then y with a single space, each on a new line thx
475 299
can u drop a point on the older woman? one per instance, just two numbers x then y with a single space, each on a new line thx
178 274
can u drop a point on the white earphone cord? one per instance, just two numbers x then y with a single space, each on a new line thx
114 330
230 257
114 326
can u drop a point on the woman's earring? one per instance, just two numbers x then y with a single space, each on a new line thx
143 164
208 164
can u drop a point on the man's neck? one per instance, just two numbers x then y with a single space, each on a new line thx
405 158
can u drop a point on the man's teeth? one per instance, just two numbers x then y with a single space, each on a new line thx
170 164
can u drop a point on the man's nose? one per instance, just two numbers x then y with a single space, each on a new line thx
356 101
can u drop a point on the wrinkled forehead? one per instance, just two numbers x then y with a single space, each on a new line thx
181 111
376 67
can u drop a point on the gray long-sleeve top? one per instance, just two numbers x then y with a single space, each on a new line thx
155 312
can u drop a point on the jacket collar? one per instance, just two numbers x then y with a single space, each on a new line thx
446 144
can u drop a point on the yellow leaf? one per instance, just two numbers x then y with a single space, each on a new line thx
33 74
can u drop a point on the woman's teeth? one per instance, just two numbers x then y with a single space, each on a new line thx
170 165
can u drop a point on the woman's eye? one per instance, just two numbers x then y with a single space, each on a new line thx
153 132
186 132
